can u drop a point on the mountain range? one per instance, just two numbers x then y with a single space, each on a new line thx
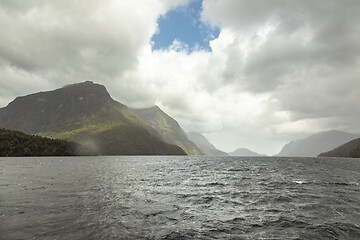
245 153
350 149
168 128
316 144
204 145
86 113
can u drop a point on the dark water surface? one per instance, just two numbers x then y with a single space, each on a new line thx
179 198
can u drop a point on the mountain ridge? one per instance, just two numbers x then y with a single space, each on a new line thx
204 145
350 149
315 144
245 153
81 112
167 127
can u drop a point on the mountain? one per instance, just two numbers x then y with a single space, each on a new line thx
350 149
313 145
85 113
204 145
168 128
16 144
245 153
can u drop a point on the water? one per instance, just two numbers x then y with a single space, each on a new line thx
179 198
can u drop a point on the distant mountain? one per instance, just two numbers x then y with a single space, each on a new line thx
245 153
204 145
314 145
168 128
16 144
85 113
350 149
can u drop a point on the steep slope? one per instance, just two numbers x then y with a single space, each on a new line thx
84 112
15 144
316 144
204 145
350 149
245 153
168 128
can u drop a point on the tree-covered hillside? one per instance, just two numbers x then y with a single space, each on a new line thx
85 113
15 144
350 149
168 128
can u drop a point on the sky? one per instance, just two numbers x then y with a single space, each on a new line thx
184 25
245 73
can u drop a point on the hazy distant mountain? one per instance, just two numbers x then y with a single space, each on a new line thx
349 149
85 113
314 145
168 128
245 152
204 145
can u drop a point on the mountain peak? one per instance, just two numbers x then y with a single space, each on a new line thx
245 152
204 145
313 145
37 111
200 139
83 88
154 108
85 112
80 83
168 128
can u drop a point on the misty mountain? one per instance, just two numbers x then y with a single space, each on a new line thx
313 145
204 145
245 153
168 128
350 149
85 113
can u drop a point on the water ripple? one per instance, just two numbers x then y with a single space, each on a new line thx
179 198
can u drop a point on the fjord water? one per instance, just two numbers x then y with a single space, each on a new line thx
179 198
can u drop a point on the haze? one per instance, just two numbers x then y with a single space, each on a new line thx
258 74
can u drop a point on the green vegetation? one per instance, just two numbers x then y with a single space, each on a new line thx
119 139
133 140
350 149
85 113
168 128
15 144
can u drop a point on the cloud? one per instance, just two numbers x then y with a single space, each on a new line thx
71 41
305 54
278 70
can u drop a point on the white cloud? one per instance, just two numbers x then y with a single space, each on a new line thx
278 70
69 41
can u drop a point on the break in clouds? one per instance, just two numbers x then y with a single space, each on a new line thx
278 70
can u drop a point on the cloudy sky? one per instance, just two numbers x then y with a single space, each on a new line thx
246 73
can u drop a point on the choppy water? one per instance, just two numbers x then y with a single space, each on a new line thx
179 198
